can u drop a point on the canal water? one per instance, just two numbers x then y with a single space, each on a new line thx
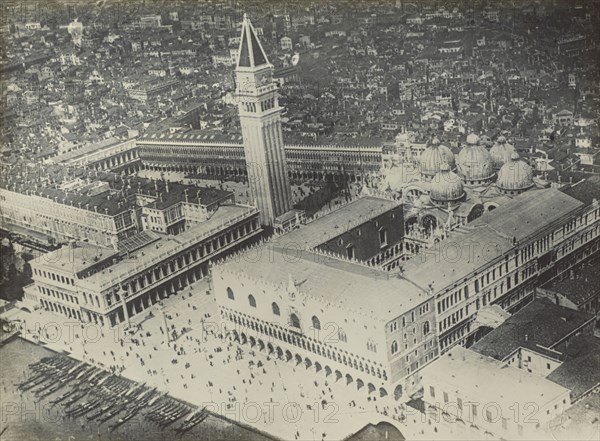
23 417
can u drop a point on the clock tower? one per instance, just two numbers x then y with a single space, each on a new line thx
260 118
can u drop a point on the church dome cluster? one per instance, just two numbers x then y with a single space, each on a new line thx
475 163
445 178
433 157
515 176
501 152
446 186
453 189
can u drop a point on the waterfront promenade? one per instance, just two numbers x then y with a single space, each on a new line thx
200 365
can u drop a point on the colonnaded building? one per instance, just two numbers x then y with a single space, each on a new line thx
339 314
107 286
130 241
217 155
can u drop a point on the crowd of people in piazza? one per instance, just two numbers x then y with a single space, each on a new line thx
174 351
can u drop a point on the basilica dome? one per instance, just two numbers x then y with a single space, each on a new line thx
515 176
446 186
433 157
475 163
501 152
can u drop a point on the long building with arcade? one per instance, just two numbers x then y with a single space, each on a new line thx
107 286
217 155
375 327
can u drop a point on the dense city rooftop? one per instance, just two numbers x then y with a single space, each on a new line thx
104 192
540 323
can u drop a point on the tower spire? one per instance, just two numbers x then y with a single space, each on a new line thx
251 52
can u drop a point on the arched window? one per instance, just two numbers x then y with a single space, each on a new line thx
426 328
275 308
371 345
252 301
316 322
394 347
294 321
230 293
342 335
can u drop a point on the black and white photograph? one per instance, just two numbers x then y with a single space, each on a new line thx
303 220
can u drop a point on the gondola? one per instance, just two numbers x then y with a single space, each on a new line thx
122 420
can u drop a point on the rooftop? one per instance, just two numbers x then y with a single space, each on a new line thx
87 149
538 323
377 432
168 193
338 222
77 257
580 372
167 246
348 285
194 136
474 375
578 422
489 237
584 284
251 52
104 192
530 212
138 241
585 191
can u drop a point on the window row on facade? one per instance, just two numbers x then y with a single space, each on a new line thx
58 294
293 319
409 319
195 151
53 276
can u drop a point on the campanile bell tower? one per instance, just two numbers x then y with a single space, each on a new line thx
260 118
